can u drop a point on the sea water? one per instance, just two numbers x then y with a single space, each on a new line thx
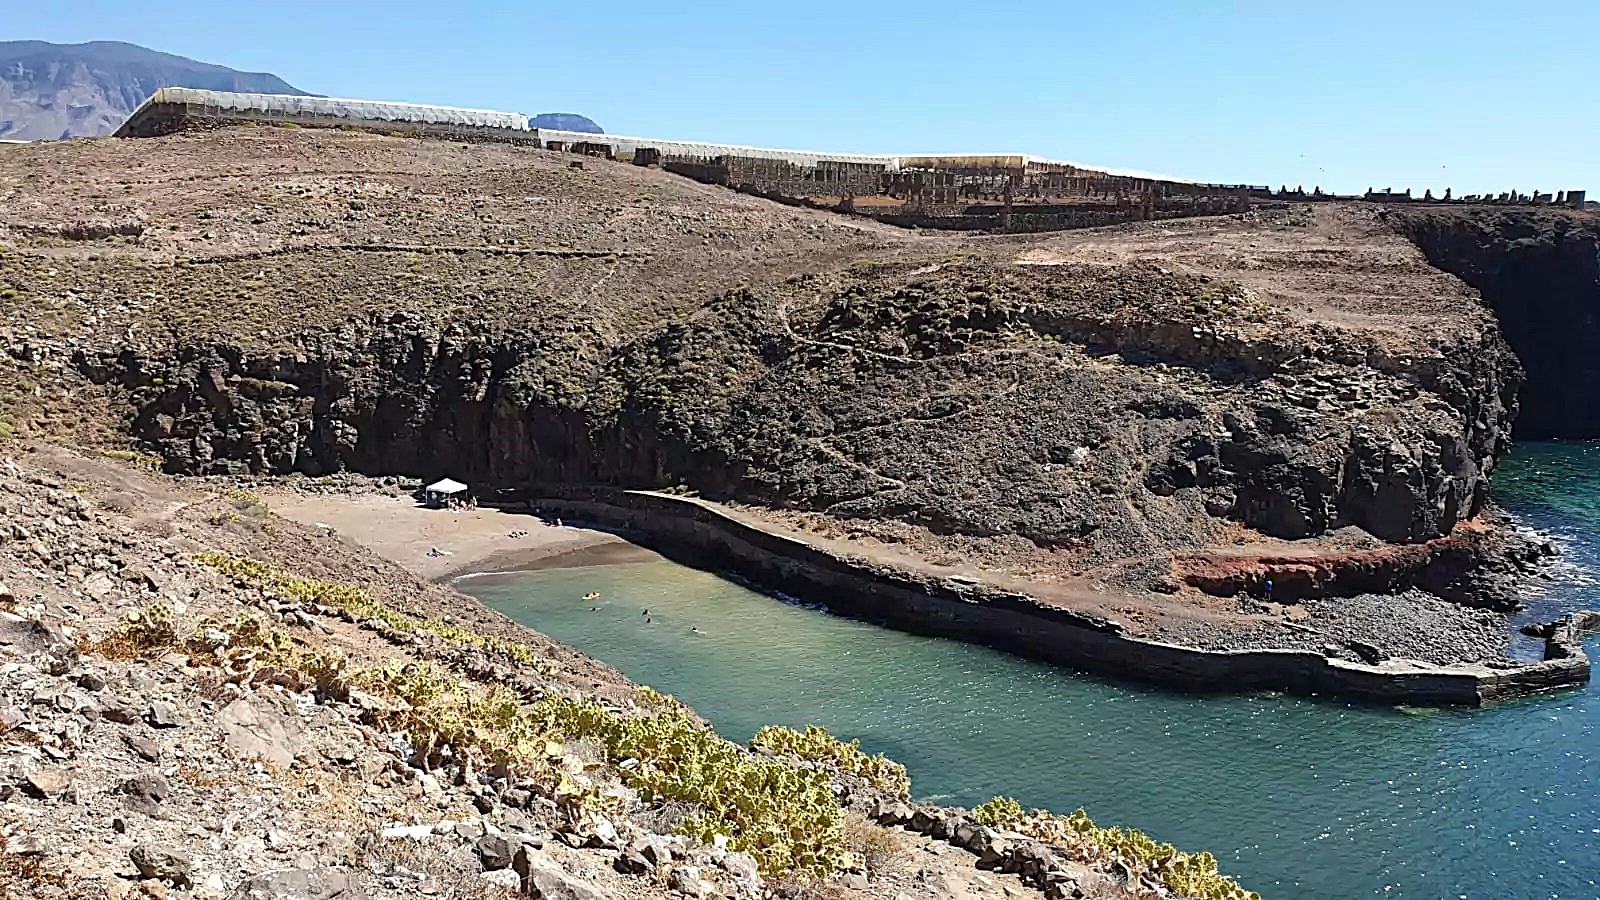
1297 797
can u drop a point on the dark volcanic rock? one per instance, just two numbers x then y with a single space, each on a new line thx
1540 270
969 401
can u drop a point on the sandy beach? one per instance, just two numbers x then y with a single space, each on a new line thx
468 541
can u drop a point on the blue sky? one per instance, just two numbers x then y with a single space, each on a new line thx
1348 94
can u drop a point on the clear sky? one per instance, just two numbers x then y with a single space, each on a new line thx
1345 94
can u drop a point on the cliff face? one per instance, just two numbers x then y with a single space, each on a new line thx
1540 270
1076 400
970 401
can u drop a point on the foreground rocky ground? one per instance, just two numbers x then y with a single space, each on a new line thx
199 699
1111 417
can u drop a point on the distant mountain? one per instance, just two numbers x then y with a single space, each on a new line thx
565 122
84 90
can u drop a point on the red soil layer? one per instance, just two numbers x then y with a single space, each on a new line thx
1338 573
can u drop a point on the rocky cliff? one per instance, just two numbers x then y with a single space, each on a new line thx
1540 271
968 401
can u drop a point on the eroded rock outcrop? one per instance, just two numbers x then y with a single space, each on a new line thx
971 401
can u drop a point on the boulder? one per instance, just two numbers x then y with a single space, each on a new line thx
687 881
162 714
496 851
924 819
145 793
118 709
254 729
299 884
990 847
47 783
161 863
543 879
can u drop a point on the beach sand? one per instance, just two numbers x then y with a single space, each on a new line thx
470 541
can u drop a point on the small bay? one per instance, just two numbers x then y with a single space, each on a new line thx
1297 797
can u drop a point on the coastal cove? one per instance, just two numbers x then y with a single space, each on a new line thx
1296 796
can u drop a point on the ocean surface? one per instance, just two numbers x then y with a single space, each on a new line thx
1297 797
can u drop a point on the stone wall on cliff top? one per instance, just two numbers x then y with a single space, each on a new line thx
1112 431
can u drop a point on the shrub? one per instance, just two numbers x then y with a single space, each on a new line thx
817 745
1186 874
145 461
787 818
361 605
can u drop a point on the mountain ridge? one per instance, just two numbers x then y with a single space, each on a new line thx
86 90
50 91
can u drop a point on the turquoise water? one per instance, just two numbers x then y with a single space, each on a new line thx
1298 798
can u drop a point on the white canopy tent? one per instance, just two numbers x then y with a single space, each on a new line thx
443 491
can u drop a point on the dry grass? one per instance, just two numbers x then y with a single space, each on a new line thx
197 776
881 850
329 797
37 877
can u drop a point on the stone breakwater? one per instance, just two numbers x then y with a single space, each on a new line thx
699 533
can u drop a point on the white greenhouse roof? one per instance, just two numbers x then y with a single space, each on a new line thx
704 150
378 110
388 111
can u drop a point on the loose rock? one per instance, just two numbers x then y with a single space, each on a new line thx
161 863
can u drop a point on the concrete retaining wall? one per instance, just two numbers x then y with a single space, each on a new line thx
705 537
